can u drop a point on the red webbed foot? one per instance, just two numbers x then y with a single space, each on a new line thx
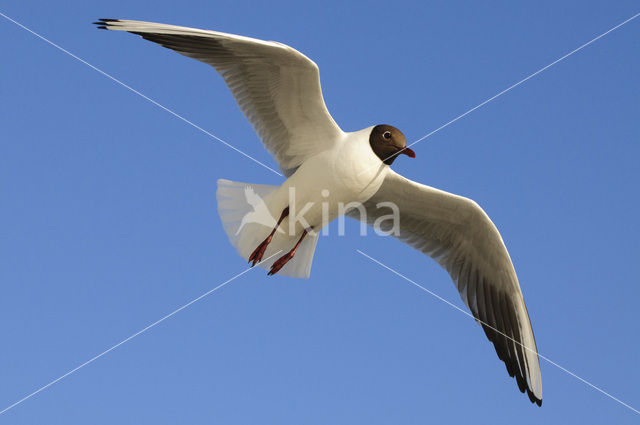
280 262
258 253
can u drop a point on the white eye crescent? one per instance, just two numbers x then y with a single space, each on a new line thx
386 135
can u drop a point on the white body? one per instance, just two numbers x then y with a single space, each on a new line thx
316 194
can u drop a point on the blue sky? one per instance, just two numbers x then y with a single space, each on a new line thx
109 217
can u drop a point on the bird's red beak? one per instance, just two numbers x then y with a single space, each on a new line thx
409 152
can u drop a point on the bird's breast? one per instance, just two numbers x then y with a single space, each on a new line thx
357 168
331 182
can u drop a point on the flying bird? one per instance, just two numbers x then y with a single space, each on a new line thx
278 90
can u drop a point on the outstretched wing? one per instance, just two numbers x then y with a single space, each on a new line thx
459 235
277 87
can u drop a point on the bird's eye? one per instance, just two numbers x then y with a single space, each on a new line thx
386 135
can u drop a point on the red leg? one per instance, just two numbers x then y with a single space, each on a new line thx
258 253
280 262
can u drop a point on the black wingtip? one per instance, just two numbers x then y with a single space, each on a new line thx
533 398
103 23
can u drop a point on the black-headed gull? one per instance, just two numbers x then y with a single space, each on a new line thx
278 89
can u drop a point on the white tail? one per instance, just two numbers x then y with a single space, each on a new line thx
248 218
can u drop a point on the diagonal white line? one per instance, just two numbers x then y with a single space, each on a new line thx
519 82
175 114
496 330
129 338
526 78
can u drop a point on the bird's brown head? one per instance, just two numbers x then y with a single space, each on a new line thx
388 142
